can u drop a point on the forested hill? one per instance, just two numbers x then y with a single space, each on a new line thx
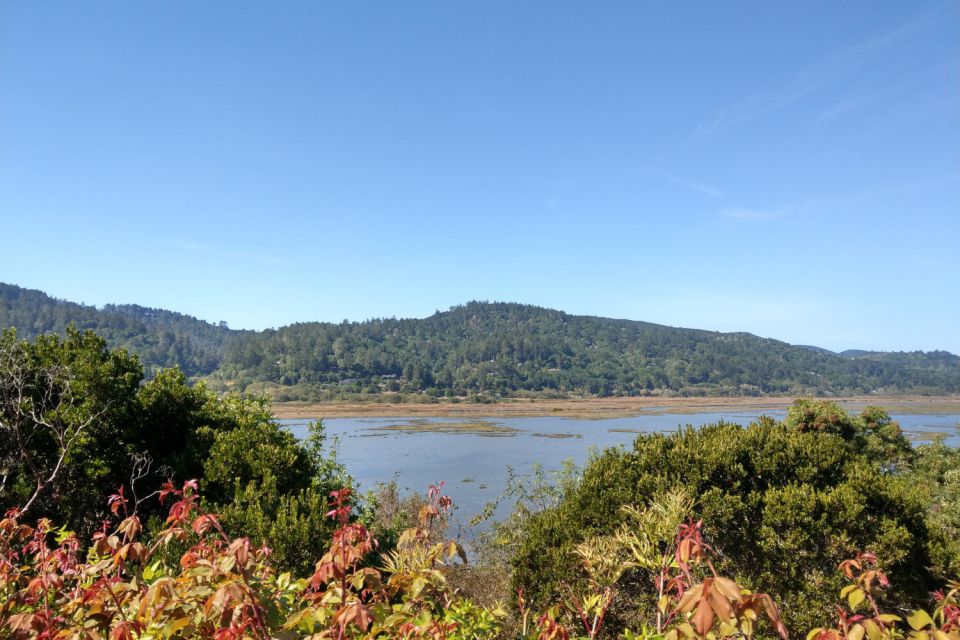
482 349
161 338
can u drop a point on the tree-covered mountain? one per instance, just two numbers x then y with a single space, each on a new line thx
160 338
483 348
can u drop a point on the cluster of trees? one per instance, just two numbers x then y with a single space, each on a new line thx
483 348
501 348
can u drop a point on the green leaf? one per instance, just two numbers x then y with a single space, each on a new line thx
855 597
417 587
873 630
919 619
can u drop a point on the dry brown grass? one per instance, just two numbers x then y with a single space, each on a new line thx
598 408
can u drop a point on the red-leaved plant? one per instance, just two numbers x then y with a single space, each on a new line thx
225 588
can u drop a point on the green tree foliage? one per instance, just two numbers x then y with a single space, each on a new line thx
799 496
254 454
497 348
936 473
873 433
77 423
529 495
482 350
160 338
270 487
65 405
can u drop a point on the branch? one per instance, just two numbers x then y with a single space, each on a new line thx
65 446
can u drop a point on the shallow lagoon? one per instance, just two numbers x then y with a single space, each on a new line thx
472 456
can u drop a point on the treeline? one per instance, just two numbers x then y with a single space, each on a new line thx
482 350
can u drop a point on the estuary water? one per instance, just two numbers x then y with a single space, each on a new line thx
472 455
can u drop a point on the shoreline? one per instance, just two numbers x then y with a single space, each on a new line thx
599 408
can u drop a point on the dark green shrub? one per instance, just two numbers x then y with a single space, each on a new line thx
783 503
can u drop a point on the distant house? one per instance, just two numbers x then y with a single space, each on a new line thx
347 381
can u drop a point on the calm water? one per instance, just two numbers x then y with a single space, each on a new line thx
474 465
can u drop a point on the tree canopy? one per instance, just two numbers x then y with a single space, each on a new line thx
481 350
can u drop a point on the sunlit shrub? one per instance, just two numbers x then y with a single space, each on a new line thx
227 589
783 504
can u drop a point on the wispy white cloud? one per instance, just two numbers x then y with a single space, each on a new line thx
948 107
931 184
690 184
941 75
838 109
938 264
268 260
813 205
817 76
248 256
739 213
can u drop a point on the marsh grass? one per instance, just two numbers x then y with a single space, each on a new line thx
557 435
472 427
600 408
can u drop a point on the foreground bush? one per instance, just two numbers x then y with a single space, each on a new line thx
78 420
227 589
783 502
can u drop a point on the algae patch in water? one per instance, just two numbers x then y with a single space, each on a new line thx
472 427
557 435
923 436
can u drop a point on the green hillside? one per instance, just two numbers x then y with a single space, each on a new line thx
483 348
161 338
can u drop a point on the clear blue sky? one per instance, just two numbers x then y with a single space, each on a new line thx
788 169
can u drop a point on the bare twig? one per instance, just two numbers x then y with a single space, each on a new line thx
36 402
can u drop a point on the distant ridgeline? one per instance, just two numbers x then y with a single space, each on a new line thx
481 350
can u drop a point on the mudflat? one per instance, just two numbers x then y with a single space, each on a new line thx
598 408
